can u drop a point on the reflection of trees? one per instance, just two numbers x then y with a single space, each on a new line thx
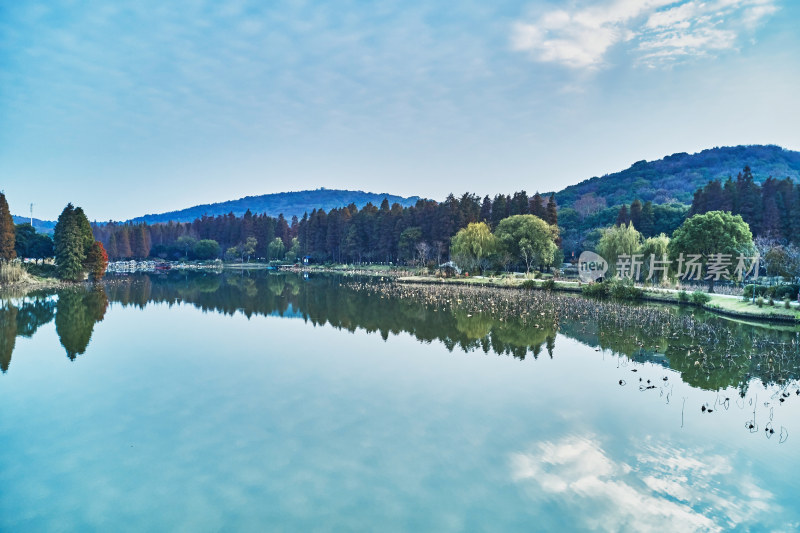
22 320
8 334
332 300
77 311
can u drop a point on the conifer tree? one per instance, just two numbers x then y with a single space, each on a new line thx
97 260
69 248
636 214
622 216
552 211
647 219
7 240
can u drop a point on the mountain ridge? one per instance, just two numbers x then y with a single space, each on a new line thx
671 179
289 203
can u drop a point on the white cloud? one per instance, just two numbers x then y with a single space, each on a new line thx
667 489
662 31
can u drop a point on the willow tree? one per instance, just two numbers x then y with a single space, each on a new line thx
472 246
7 239
617 241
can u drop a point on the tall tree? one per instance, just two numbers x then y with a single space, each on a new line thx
7 240
622 216
636 214
647 219
97 261
551 216
69 247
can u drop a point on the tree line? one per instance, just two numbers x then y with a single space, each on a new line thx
385 233
772 209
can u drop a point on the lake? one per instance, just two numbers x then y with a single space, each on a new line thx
262 401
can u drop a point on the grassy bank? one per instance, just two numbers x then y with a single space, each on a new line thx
722 304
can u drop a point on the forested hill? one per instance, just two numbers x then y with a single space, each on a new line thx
42 226
676 177
286 203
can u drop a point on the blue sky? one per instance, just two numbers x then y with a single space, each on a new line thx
128 108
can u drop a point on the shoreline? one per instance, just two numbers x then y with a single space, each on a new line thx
660 296
719 304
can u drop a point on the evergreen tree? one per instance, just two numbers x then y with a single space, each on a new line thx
622 216
647 219
551 216
486 210
24 236
7 229
636 214
69 245
536 207
499 209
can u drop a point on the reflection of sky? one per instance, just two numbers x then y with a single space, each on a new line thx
179 419
662 489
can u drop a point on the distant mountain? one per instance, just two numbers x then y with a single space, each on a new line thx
676 177
288 203
42 226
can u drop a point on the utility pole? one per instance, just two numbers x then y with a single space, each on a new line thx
31 214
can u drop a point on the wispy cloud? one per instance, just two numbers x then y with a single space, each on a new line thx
659 32
665 489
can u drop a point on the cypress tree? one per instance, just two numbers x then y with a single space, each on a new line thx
7 240
552 211
69 245
647 219
622 216
636 214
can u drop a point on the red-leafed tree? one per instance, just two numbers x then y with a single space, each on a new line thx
97 261
7 238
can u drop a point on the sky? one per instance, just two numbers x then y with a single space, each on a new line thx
127 108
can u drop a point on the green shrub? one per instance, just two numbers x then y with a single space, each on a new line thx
761 290
786 291
683 297
760 301
529 284
549 285
43 270
700 298
597 290
624 290
787 303
771 302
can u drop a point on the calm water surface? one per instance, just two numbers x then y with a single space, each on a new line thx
271 402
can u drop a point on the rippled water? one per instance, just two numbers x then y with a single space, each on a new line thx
272 402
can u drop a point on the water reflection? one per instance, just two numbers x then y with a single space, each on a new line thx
653 488
315 425
344 303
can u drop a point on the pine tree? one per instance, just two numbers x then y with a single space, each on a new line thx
7 240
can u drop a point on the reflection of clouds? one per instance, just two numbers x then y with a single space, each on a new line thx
669 489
